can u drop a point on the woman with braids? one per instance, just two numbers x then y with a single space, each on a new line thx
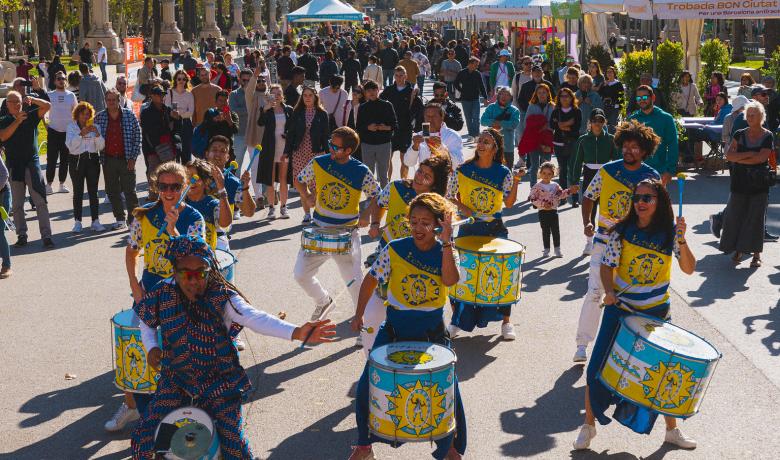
201 196
481 188
647 233
393 200
433 263
198 362
168 181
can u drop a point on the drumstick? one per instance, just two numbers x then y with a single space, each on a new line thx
232 167
369 329
184 192
680 185
468 220
255 153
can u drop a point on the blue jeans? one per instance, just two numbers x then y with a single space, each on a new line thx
5 249
387 76
103 71
471 114
536 158
420 83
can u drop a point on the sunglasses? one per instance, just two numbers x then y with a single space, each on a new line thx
644 198
181 79
335 148
201 274
169 187
642 98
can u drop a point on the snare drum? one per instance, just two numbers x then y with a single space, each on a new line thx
227 264
187 433
411 391
131 371
490 271
326 240
660 366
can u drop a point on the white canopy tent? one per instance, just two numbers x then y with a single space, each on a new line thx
325 10
455 12
428 14
508 10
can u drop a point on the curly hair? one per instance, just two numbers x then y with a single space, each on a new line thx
433 202
644 135
203 170
535 98
574 103
81 107
442 167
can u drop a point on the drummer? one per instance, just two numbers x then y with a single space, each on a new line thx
394 199
648 234
481 187
337 180
216 212
413 315
193 311
167 180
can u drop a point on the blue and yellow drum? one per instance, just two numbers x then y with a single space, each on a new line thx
660 366
187 433
490 271
227 264
411 391
131 371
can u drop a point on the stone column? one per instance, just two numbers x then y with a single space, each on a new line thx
101 29
238 20
273 27
285 10
210 22
257 23
169 32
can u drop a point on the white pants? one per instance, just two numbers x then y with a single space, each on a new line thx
350 266
223 243
588 326
373 317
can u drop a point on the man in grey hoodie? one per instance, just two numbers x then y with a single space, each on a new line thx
92 89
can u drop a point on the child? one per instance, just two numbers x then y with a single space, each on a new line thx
546 196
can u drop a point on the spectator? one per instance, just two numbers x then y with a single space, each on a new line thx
310 65
74 81
565 122
504 118
539 150
470 85
102 60
665 158
182 105
188 63
373 72
352 70
613 44
273 164
646 79
737 106
121 87
746 83
5 204
440 139
91 89
522 76
204 95
333 98
157 129
23 69
406 103
351 110
572 79
462 53
612 93
423 64
450 68
53 68
284 66
453 117
237 104
594 70
502 72
412 69
220 76
165 71
588 100
388 57
256 101
232 70
19 134
688 99
176 54
376 123
293 92
567 64
85 143
328 68
220 120
145 76
528 89
86 56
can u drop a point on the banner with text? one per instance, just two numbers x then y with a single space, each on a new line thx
713 9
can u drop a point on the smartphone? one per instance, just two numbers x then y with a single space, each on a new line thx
426 129
175 105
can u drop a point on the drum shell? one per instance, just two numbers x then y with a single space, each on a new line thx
488 278
185 415
651 376
388 385
227 264
127 344
326 241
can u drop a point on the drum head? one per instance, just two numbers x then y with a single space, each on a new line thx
671 337
413 356
126 318
224 258
186 415
488 244
191 441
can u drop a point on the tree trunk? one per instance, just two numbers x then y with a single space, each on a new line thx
86 19
771 37
145 20
45 17
186 25
220 18
156 16
738 53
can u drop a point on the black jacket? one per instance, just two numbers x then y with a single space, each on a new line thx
309 62
328 69
154 124
378 111
453 116
388 58
265 162
405 111
470 85
284 66
352 71
296 127
527 92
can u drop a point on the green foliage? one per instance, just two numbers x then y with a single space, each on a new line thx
772 66
9 6
714 58
556 49
669 65
632 66
601 54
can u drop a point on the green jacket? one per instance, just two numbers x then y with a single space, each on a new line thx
592 149
510 70
664 160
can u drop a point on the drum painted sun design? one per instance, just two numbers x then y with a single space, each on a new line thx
410 357
481 199
417 409
490 279
618 204
133 362
668 386
334 196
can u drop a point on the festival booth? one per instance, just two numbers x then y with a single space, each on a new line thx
325 11
428 14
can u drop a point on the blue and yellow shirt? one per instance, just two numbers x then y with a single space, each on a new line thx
143 237
482 190
208 207
644 266
612 187
395 198
337 189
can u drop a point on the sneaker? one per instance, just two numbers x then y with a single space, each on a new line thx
679 439
119 225
546 253
558 252
716 224
48 243
97 226
321 311
585 436
581 355
362 453
236 215
64 188
307 218
508 331
239 343
21 241
453 330
5 272
271 213
77 227
588 248
123 416
283 214
770 238
359 342
49 190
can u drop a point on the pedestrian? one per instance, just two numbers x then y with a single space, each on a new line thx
102 60
687 100
309 62
204 95
612 94
522 76
594 70
453 116
74 80
565 122
182 105
470 85
237 104
646 79
165 71
743 221
527 91
220 120
232 71
176 54
157 128
284 66
373 72
91 88
546 196
84 144
273 164
664 160
60 116
352 70
438 141
406 103
388 58
146 75
450 68
86 56
52 69
376 123
412 69
588 99
293 91
121 87
424 64
502 72
333 98
613 44
5 206
503 117
256 94
221 77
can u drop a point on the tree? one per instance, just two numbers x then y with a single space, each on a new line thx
771 36
45 15
156 17
145 18
738 49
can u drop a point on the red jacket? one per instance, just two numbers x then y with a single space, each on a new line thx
535 135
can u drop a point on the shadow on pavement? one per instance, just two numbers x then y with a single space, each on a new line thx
319 440
721 280
472 352
557 411
772 318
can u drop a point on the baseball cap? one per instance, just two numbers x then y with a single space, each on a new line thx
739 102
597 113
757 89
504 53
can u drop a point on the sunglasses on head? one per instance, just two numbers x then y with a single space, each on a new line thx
200 274
168 187
644 198
642 98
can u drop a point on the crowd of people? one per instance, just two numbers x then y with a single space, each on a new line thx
326 116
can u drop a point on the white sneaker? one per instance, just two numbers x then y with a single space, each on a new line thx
679 439
581 355
64 188
236 215
588 250
106 200
321 311
239 343
77 227
508 331
123 416
49 190
271 213
119 225
307 218
585 436
453 330
546 253
283 214
558 252
359 342
97 226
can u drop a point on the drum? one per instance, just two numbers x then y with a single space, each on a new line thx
326 240
660 366
131 371
187 433
490 271
411 391
227 264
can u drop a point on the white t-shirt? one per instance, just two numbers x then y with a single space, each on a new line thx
502 75
330 100
102 55
61 112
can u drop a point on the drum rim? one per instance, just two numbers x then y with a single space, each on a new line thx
232 256
692 358
193 408
490 238
442 367
330 230
420 439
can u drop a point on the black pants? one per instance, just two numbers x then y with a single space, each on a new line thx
563 154
85 167
587 176
56 149
549 222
